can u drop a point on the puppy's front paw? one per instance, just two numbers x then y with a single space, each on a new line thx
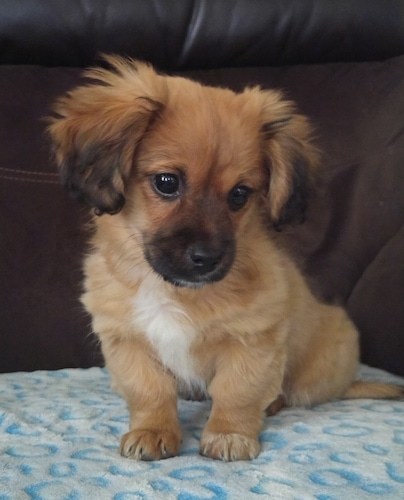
228 447
144 444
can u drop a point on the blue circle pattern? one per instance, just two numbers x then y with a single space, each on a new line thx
59 434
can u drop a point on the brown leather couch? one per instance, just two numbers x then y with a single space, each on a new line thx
342 62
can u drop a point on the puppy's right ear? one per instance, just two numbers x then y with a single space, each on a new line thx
97 127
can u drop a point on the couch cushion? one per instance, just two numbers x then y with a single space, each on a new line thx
357 109
376 306
200 34
42 324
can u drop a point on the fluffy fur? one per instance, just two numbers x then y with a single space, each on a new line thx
185 283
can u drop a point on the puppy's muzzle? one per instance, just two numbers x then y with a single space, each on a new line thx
203 258
191 263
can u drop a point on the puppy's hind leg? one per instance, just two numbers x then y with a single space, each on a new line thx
331 374
326 366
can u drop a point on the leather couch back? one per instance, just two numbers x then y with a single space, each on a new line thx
196 34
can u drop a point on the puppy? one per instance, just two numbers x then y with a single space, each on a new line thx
185 284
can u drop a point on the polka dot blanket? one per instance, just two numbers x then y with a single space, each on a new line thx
59 436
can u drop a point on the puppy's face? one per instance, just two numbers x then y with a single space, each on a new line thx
191 167
199 172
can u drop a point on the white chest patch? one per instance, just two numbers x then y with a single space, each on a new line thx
168 328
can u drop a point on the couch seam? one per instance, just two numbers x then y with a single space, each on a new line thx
20 179
27 172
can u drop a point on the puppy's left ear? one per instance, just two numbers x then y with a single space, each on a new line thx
96 128
291 159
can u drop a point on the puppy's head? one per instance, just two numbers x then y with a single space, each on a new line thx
189 168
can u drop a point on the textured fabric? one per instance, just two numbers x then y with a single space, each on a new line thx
59 437
180 34
351 244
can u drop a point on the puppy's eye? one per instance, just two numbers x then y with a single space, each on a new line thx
167 185
238 197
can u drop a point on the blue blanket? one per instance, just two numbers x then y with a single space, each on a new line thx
59 436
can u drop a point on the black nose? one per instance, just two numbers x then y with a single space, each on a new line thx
203 258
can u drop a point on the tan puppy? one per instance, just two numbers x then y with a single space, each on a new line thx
185 283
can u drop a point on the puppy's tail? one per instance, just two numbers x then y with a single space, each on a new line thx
361 389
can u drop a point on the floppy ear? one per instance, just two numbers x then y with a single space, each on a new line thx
97 127
290 156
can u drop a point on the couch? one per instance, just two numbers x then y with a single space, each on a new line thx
343 64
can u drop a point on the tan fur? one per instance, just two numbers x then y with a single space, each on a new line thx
255 334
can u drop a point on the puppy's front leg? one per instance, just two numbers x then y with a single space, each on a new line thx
151 396
245 383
